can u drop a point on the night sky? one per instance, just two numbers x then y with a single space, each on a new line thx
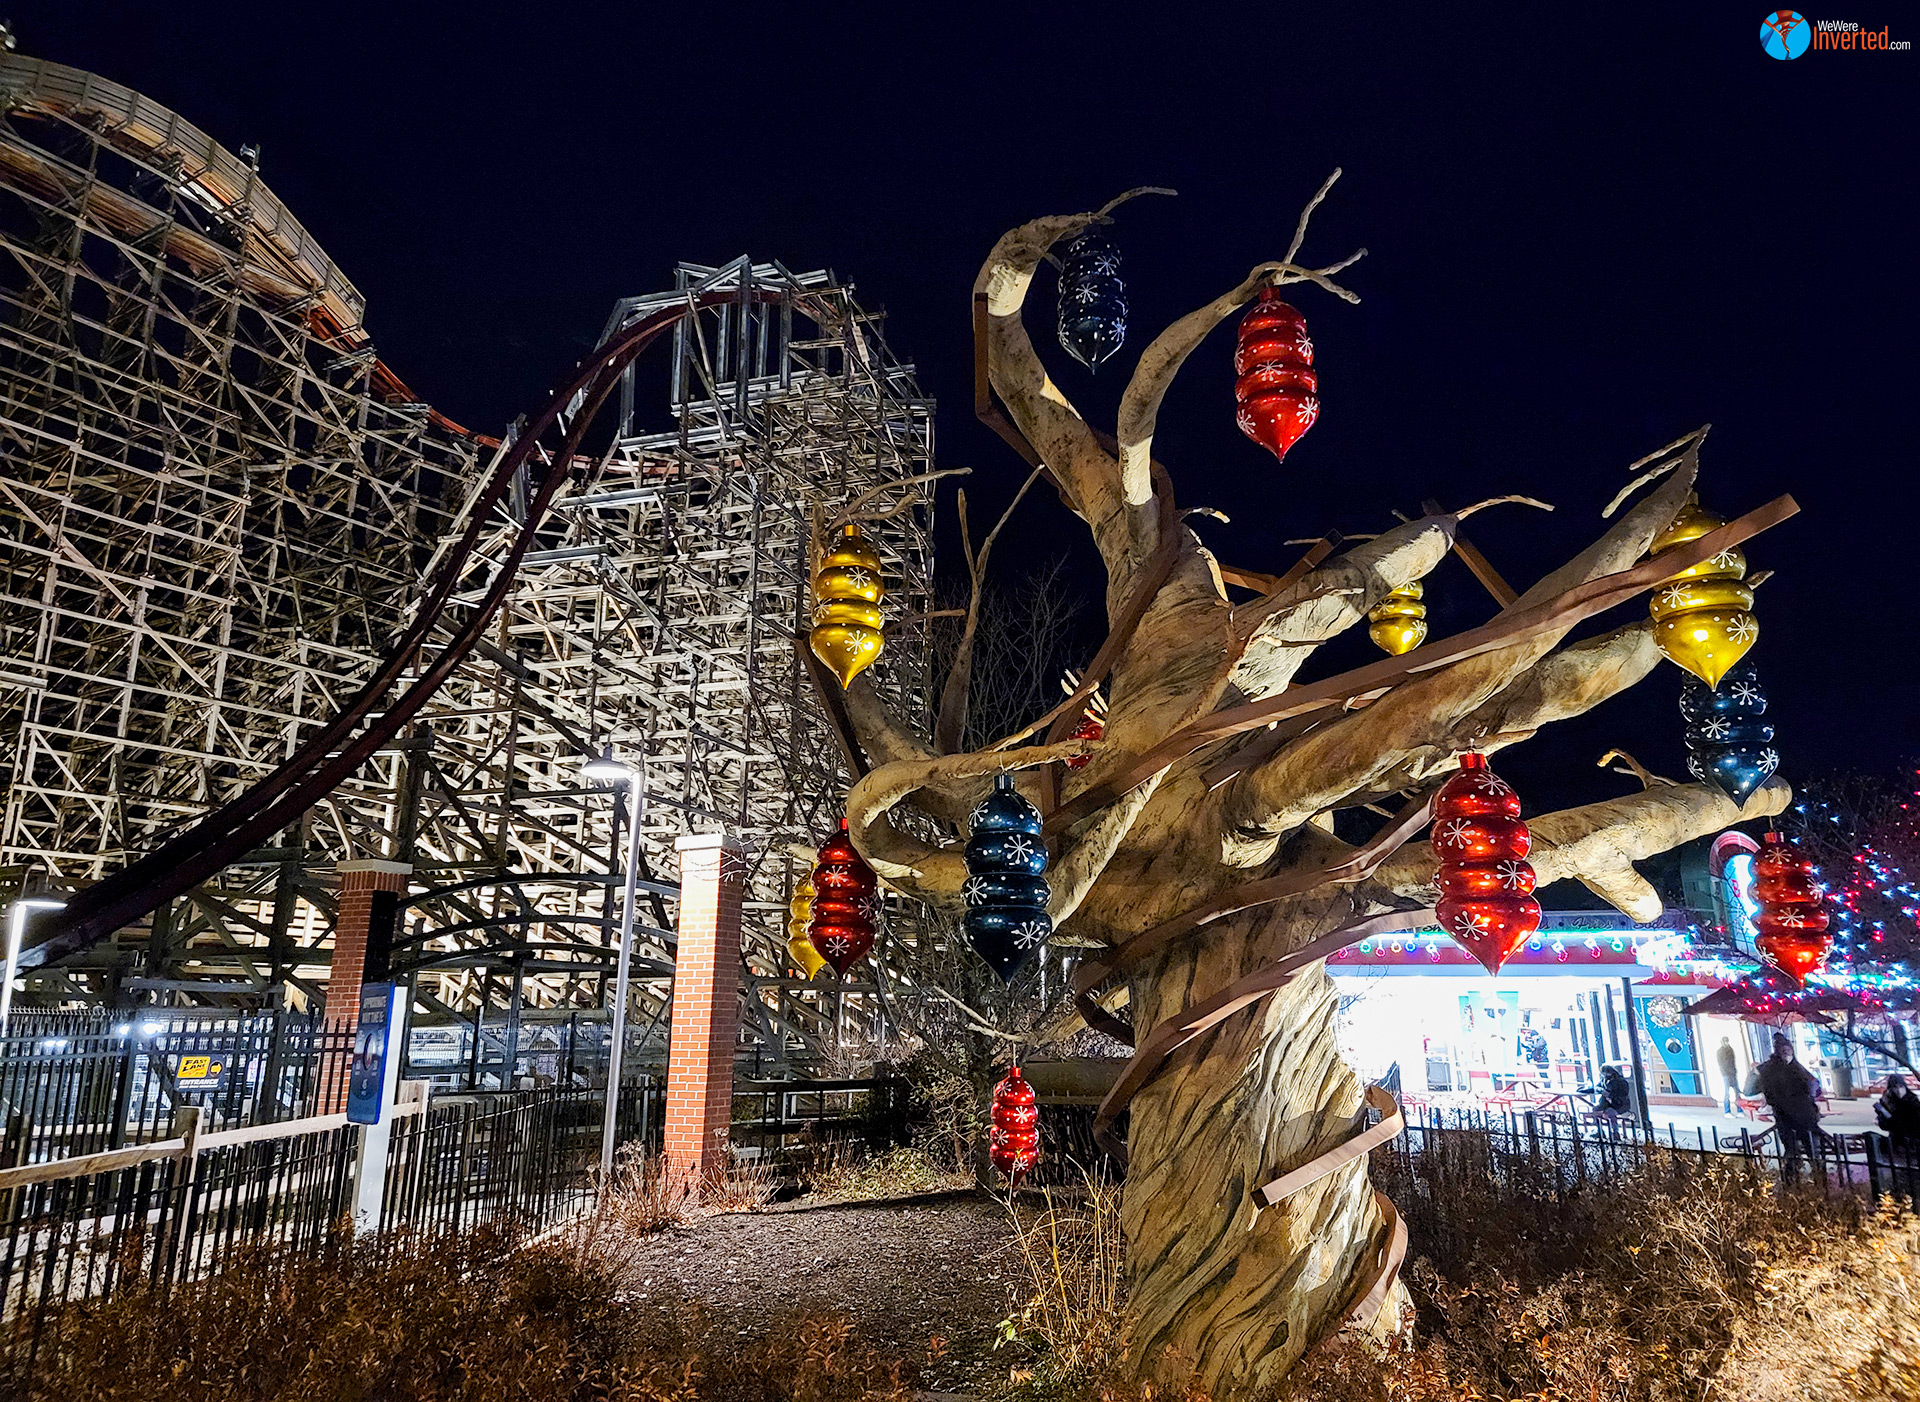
1588 235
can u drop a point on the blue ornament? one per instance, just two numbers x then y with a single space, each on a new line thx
1728 746
1093 301
1006 891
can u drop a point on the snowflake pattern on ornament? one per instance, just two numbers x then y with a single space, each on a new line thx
1469 922
1030 934
1726 560
838 944
1745 629
1513 875
1674 595
1746 693
1021 848
1455 832
1770 759
974 892
1716 729
1792 919
1488 784
860 577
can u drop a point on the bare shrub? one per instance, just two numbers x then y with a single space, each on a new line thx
845 1172
1679 1280
416 1319
1072 1326
737 1185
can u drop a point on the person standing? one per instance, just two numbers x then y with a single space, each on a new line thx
1729 1076
1790 1089
1898 1112
1533 1048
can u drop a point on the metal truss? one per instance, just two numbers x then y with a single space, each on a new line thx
219 507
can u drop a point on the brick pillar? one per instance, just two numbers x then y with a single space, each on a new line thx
358 882
706 1004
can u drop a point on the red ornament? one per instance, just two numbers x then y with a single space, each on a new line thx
1013 1144
1277 388
844 887
1091 727
1792 923
1486 887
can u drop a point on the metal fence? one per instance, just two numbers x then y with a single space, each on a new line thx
165 1212
775 1120
527 1157
81 1084
1570 1151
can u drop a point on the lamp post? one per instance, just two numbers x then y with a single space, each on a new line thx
607 769
16 927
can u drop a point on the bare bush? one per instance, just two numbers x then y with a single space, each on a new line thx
847 1172
476 1317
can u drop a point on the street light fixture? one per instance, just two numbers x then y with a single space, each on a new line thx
606 769
16 927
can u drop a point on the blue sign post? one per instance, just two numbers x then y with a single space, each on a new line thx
372 1080
371 1076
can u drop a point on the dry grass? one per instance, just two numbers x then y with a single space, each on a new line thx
848 1173
1665 1286
1671 1284
416 1320
740 1185
1075 1258
1068 1341
643 1197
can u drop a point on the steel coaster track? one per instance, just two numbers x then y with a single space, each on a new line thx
329 756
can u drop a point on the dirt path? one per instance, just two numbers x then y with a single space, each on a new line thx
905 1271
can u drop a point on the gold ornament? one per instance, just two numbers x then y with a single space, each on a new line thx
799 947
846 611
1399 622
1701 616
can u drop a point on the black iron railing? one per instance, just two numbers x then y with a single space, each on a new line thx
527 1157
1574 1150
82 1084
774 1119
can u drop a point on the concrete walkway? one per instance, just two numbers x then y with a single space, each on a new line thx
1692 1123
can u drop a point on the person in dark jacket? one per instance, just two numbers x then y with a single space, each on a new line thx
1898 1111
1790 1089
1613 1095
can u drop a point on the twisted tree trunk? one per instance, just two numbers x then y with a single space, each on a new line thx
1191 797
1214 1283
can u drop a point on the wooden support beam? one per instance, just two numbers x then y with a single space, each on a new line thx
1483 570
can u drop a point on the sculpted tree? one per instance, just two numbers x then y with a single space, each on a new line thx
1196 849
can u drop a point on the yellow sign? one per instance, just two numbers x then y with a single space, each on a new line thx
198 1072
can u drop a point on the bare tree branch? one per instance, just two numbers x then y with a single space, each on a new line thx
1283 630
951 722
1152 376
1598 844
904 862
1050 423
1351 755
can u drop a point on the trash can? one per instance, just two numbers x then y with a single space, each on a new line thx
1840 1079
